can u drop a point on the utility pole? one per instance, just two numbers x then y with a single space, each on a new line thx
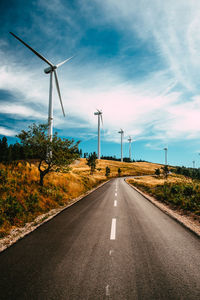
193 164
122 134
165 155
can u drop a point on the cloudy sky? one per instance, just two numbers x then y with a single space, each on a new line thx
138 61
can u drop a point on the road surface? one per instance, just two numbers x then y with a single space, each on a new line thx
113 244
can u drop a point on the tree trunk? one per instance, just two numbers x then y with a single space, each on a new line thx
41 178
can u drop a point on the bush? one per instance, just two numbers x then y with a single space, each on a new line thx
107 171
32 203
12 208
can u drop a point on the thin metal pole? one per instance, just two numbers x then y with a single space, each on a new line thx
130 150
50 114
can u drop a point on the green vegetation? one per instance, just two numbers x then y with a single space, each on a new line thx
55 155
184 195
157 172
91 161
107 171
188 172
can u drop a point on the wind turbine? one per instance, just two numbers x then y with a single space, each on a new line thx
50 70
99 114
165 155
122 135
130 140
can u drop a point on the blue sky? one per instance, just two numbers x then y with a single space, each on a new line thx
138 61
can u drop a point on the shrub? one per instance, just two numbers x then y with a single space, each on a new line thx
107 171
12 208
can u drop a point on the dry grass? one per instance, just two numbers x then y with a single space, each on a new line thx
22 199
152 181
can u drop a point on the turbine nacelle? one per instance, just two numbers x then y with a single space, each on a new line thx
50 69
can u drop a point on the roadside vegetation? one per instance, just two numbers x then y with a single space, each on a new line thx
177 191
22 198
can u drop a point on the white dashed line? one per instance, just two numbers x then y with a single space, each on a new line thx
110 252
107 290
115 194
113 229
115 203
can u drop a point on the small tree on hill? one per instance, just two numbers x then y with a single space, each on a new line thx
91 161
107 171
165 171
55 155
119 172
157 172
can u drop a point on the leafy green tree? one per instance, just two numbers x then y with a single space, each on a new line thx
107 171
91 161
157 172
119 172
55 155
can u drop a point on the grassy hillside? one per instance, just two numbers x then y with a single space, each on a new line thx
178 191
22 199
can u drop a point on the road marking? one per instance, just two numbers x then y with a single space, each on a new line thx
110 252
115 203
107 290
113 229
115 194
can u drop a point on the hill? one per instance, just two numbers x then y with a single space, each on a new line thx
22 199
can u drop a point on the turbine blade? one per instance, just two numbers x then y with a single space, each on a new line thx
63 62
58 90
36 53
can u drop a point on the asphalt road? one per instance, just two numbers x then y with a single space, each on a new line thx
113 244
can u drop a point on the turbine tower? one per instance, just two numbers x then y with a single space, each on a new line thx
130 140
122 135
50 70
165 155
99 114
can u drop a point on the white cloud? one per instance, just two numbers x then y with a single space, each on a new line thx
147 109
7 132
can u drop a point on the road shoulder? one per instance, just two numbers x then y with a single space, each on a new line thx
184 220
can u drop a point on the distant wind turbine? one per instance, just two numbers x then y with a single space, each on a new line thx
130 140
50 70
165 149
99 114
122 135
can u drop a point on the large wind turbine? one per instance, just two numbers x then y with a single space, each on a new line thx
130 140
122 135
50 70
99 114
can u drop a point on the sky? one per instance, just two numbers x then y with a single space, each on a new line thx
137 61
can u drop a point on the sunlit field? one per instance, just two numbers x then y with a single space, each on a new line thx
22 199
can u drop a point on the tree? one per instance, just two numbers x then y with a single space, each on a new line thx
91 161
165 171
107 171
55 155
3 149
119 172
157 172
